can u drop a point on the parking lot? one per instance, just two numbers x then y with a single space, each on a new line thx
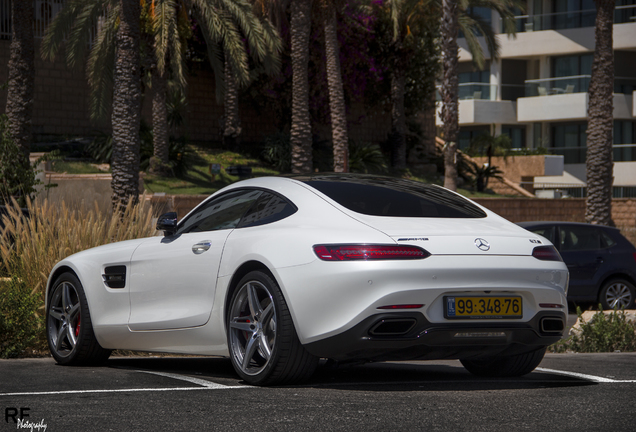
567 392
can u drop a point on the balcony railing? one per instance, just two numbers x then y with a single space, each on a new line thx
573 84
570 19
487 91
577 155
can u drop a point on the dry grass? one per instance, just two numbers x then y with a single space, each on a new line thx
30 247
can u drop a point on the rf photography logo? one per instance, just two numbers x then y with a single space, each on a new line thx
21 418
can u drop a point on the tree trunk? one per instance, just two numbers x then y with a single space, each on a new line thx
301 123
160 129
449 91
126 108
599 163
21 67
232 127
337 106
398 119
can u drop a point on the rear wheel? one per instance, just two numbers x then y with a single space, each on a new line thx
509 366
69 329
617 294
262 340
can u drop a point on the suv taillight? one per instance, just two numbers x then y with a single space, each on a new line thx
546 253
348 252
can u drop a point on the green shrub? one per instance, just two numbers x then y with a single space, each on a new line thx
180 155
602 333
366 158
277 151
21 324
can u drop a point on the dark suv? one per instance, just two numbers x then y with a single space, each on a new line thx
602 263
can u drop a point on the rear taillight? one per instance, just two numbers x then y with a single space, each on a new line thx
349 252
546 253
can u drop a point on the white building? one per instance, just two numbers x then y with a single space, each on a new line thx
537 91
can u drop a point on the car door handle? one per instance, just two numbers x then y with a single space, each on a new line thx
201 247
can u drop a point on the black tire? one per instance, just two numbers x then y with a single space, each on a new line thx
617 293
509 366
69 330
259 314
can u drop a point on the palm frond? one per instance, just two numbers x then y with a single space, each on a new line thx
101 62
59 28
77 44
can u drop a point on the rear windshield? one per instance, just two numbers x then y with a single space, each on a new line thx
378 196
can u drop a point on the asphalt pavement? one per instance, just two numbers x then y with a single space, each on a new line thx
567 392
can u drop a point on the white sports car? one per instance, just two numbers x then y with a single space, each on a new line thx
279 272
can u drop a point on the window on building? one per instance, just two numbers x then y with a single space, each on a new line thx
570 140
474 85
575 70
624 14
573 14
624 141
466 135
43 13
517 135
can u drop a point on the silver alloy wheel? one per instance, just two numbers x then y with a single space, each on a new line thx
64 319
252 327
618 295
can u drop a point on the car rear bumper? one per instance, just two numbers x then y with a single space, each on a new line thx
408 336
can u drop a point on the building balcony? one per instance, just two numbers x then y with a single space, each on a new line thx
478 104
568 19
553 42
566 99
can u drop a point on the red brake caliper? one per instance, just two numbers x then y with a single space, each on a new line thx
77 326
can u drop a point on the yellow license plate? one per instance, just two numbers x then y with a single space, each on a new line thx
482 307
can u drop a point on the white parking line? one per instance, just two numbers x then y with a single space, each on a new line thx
201 382
204 385
593 378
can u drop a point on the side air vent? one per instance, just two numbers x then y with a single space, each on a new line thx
115 276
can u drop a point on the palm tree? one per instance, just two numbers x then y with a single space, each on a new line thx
126 115
265 46
21 67
450 90
223 22
167 19
337 106
598 209
410 19
455 16
300 134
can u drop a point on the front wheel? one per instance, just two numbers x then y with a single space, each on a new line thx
617 294
508 366
69 330
262 340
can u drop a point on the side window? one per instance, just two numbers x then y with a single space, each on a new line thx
547 232
607 240
575 238
268 208
224 212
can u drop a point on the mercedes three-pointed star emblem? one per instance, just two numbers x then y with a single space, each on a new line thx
482 244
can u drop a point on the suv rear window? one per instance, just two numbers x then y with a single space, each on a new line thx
384 196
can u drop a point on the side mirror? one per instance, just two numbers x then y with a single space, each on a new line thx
167 223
